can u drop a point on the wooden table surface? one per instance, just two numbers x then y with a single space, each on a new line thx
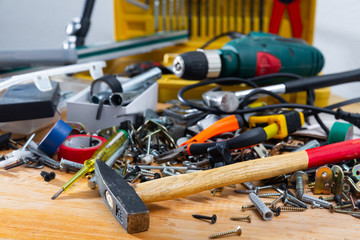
27 212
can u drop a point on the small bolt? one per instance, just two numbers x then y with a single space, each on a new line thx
299 179
248 218
48 176
212 218
238 231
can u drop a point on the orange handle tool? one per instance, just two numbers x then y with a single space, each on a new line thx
227 124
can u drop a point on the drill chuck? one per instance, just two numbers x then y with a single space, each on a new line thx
197 65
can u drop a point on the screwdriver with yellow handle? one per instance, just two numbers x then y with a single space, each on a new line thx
103 153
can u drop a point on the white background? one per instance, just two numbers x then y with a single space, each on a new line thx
38 24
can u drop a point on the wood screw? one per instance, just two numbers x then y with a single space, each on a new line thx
248 218
238 231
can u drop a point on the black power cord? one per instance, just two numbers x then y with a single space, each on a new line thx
353 118
231 34
207 82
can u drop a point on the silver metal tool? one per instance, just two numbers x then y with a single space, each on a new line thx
139 80
228 3
177 14
163 13
78 28
236 15
123 98
199 17
309 199
224 100
156 14
207 17
265 212
278 88
171 14
144 6
215 16
17 155
207 121
33 147
100 86
64 164
311 144
182 12
222 11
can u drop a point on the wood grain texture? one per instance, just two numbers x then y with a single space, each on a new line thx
27 212
187 184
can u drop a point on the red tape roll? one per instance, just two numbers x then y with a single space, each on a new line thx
77 148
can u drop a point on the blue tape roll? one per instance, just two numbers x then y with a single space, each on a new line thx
55 137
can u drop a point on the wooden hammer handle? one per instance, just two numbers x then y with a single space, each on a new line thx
186 184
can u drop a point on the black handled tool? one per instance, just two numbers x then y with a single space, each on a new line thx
309 83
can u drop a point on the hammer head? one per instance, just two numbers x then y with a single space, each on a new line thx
121 199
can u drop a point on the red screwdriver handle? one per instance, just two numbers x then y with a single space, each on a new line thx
333 153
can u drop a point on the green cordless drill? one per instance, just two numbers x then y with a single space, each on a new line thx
251 55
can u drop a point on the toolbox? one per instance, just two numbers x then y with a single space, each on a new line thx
209 18
110 116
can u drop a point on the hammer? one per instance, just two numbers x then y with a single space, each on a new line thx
128 203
